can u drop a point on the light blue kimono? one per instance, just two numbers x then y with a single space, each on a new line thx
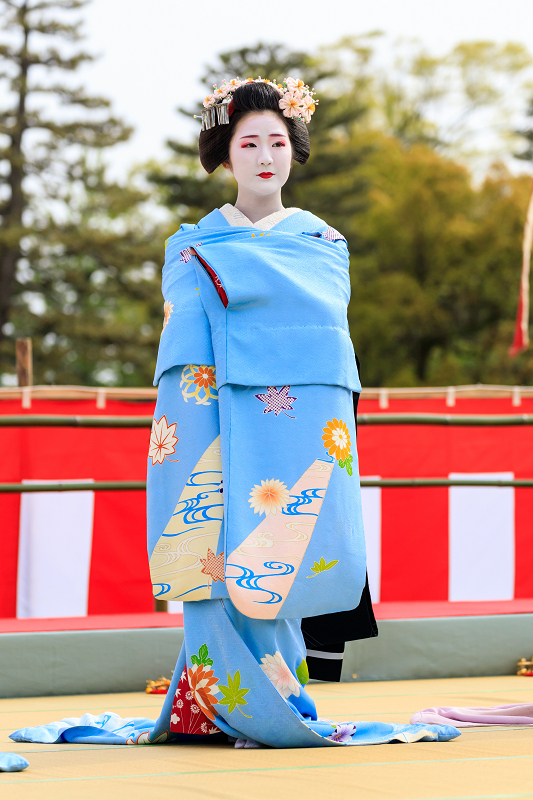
254 506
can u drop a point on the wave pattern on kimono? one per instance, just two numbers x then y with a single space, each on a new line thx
254 507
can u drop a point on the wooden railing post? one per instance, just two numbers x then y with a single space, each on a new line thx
24 362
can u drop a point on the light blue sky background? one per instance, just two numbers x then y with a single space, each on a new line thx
153 51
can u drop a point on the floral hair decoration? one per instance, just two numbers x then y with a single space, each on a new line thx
296 100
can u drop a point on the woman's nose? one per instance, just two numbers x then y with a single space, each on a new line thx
266 157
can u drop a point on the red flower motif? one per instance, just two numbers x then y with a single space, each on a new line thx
205 377
202 681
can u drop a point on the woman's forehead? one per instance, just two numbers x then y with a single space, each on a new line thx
260 124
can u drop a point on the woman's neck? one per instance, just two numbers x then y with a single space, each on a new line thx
256 207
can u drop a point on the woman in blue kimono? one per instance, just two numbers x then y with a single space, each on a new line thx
254 506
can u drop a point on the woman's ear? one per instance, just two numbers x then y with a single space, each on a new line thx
226 165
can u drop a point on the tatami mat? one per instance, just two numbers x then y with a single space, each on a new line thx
482 764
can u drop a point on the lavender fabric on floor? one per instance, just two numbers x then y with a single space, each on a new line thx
519 714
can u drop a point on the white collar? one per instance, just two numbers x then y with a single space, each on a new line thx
237 219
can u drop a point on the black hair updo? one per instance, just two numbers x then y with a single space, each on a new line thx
251 97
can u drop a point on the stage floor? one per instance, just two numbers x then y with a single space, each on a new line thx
482 764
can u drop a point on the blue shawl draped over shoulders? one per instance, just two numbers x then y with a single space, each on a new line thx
281 313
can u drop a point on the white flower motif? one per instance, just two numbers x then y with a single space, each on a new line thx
308 107
195 709
162 440
203 727
295 85
269 498
174 719
290 104
188 696
280 675
179 703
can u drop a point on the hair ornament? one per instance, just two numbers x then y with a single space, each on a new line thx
297 100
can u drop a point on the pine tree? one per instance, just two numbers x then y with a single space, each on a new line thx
39 150
79 257
92 286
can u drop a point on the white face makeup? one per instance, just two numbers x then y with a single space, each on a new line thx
260 155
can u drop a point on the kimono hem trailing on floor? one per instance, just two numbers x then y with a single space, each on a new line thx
254 506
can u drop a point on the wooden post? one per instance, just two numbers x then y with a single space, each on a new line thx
24 362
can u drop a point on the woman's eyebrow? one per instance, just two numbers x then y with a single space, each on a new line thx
255 135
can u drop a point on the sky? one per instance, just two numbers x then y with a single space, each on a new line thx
153 51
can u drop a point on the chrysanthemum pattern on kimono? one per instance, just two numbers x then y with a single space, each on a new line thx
199 382
269 497
194 701
338 444
280 675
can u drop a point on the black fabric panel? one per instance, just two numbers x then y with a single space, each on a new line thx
342 626
330 647
324 669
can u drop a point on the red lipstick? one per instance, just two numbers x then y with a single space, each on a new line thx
266 175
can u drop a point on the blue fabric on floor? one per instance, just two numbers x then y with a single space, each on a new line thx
258 660
12 762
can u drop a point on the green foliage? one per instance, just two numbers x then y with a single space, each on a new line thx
347 464
233 694
202 657
302 673
79 256
435 271
321 566
89 288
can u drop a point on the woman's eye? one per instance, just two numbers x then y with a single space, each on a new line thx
248 144
278 144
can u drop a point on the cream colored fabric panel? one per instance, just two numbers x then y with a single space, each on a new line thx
482 539
55 540
371 505
238 220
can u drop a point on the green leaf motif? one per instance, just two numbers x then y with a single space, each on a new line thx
302 672
321 566
233 694
202 657
346 464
